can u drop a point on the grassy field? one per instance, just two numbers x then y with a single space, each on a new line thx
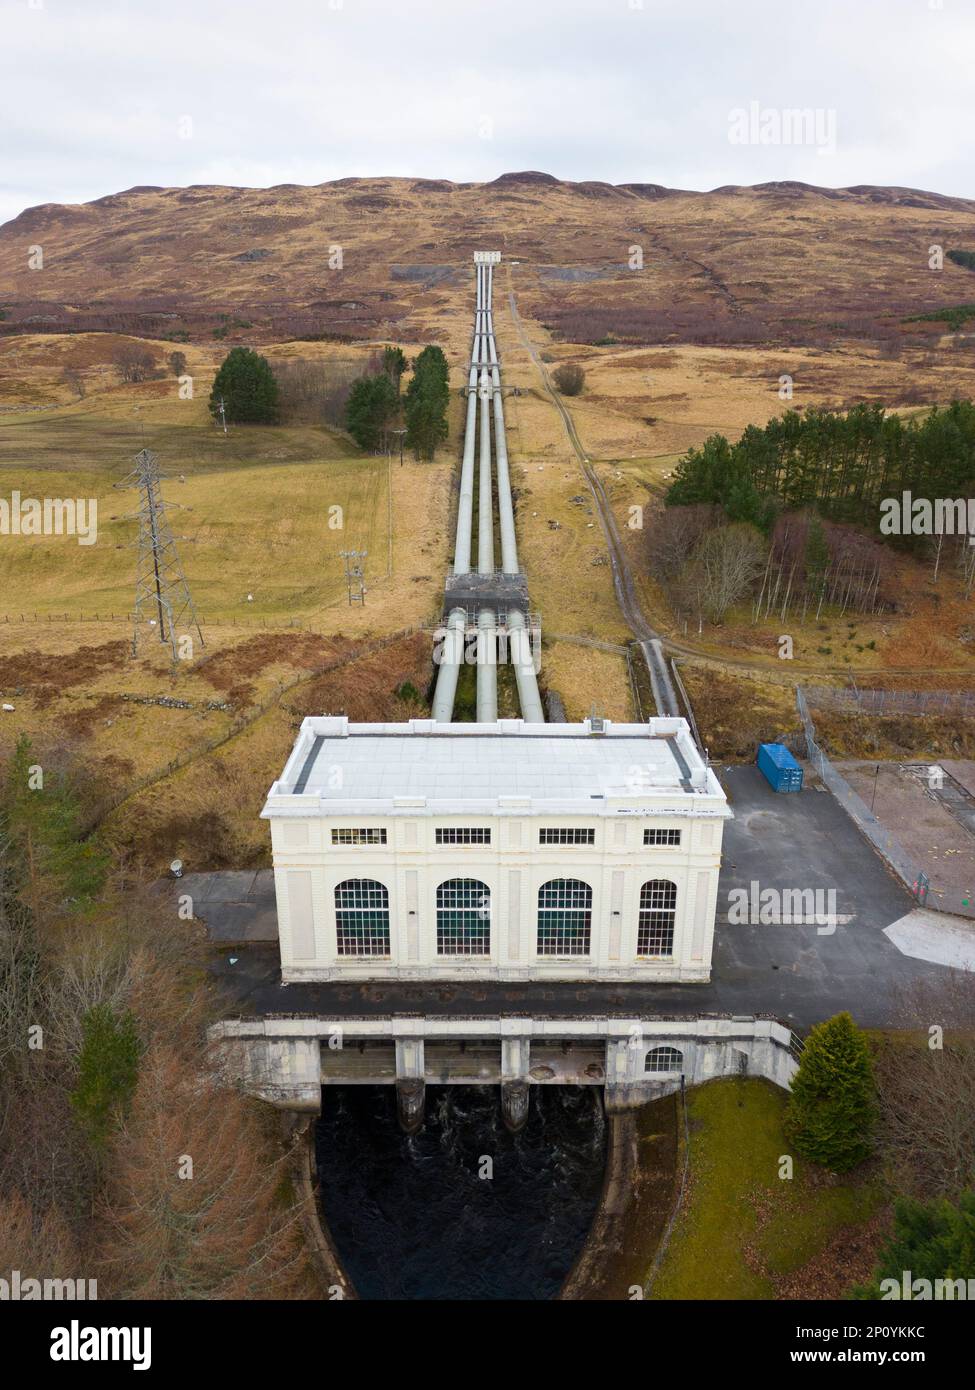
251 512
641 409
745 1233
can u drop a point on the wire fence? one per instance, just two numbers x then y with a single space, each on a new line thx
889 848
231 620
856 701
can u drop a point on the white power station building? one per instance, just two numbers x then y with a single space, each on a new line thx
496 851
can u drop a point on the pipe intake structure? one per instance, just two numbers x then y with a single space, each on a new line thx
489 587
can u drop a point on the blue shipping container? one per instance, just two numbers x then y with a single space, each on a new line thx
779 767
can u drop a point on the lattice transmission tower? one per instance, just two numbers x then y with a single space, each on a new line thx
160 585
355 575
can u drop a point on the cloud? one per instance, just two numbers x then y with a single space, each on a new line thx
94 94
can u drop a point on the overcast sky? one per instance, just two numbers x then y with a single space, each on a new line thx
99 95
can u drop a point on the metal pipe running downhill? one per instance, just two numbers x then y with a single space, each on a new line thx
487 632
484 385
451 652
521 655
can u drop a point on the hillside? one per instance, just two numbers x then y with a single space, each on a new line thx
774 263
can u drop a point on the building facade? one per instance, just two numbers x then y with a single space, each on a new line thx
504 851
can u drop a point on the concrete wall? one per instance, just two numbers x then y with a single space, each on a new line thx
411 865
286 1060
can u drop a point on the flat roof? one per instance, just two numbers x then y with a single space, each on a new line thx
504 767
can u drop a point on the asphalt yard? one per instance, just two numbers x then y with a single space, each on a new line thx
804 903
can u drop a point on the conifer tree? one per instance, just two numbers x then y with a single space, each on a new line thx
930 1240
247 387
830 1112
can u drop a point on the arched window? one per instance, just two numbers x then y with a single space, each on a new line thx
463 918
658 908
564 917
664 1059
362 917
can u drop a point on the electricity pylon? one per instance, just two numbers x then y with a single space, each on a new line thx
355 575
160 584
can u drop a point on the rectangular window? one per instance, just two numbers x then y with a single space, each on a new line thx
566 835
661 837
463 835
358 837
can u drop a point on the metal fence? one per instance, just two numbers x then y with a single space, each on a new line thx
855 701
880 837
108 617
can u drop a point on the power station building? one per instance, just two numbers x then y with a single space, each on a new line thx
496 851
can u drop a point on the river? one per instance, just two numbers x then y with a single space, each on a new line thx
463 1209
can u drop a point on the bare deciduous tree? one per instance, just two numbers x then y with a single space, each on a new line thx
193 1205
73 379
671 536
134 363
926 1093
722 569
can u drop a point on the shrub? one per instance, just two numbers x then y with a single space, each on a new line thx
931 1241
108 1069
569 378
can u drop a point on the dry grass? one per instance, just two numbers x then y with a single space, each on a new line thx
729 260
208 813
736 713
584 676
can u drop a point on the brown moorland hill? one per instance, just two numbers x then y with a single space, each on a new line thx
775 263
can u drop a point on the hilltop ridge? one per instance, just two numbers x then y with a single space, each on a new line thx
736 264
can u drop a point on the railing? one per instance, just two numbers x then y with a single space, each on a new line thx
860 701
880 837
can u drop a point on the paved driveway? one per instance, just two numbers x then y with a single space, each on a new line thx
797 972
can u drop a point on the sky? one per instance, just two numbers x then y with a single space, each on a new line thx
97 96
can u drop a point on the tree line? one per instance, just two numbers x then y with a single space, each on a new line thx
797 515
842 465
122 1158
370 404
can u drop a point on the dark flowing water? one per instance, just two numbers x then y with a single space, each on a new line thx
412 1218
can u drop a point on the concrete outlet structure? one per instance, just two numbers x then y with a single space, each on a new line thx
496 851
288 1060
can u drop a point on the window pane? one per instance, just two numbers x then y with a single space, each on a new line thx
463 918
564 917
362 918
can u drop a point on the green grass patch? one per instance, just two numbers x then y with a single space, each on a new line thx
250 509
742 1226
